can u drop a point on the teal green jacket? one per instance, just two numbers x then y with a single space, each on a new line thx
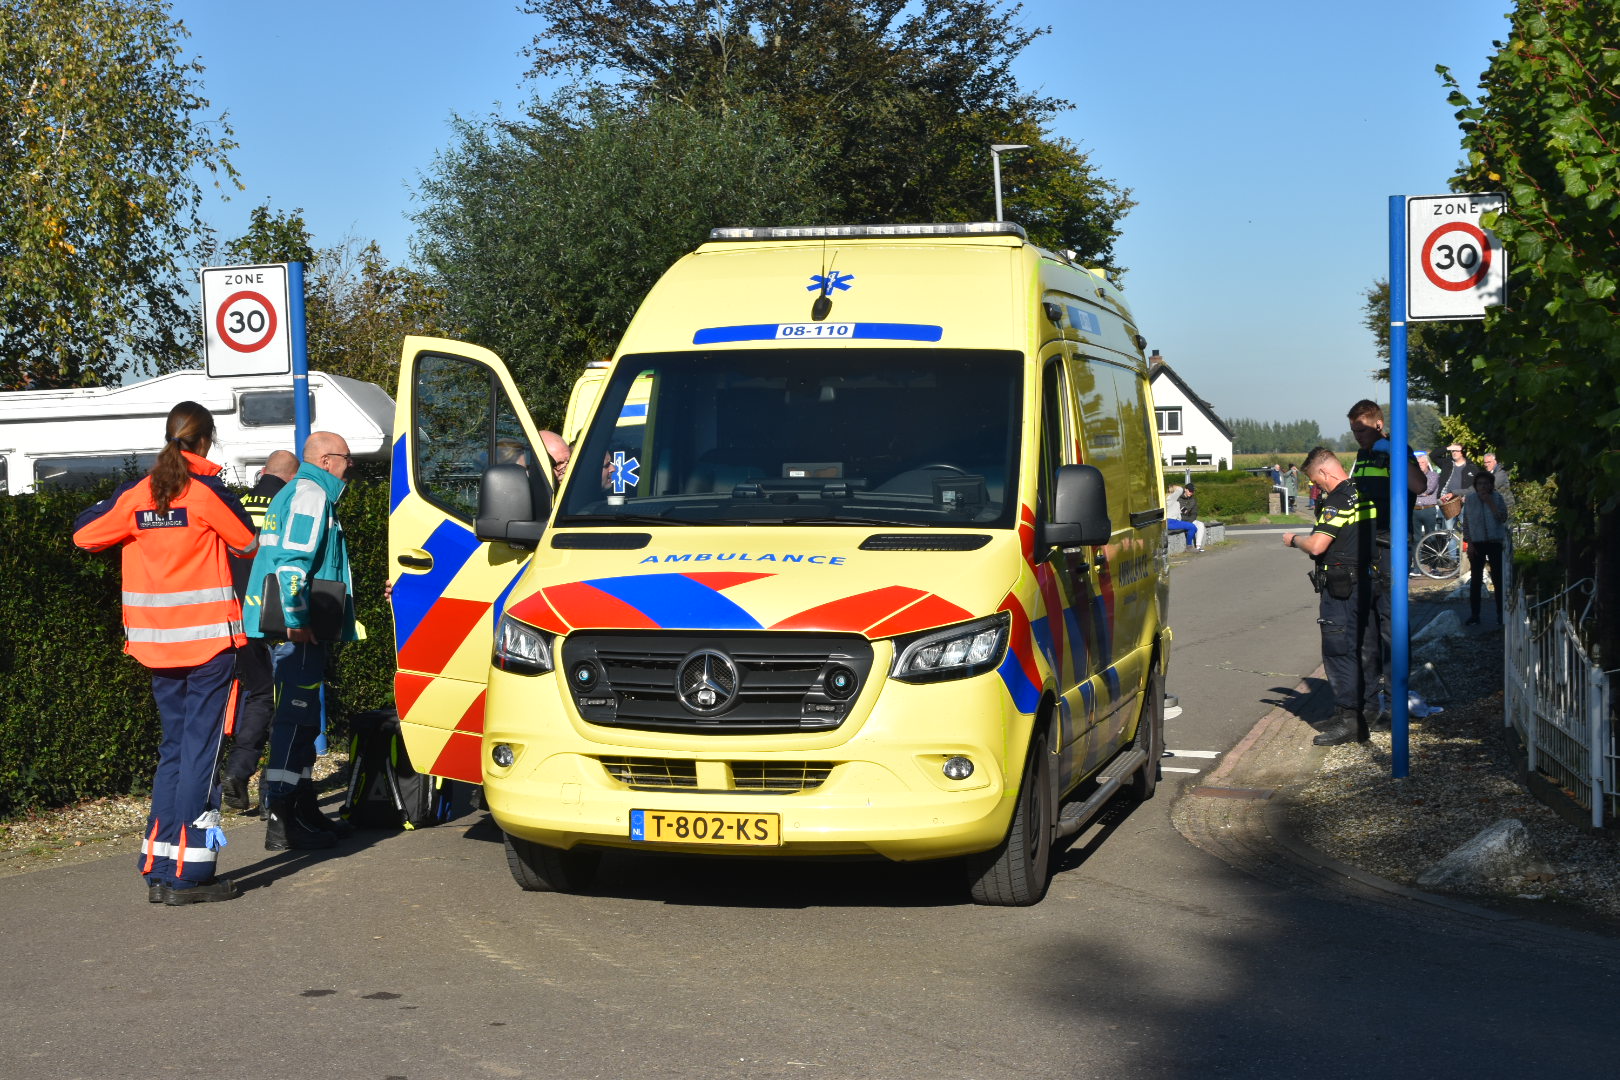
301 540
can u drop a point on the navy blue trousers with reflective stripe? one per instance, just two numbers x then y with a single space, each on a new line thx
255 707
192 702
1350 649
299 671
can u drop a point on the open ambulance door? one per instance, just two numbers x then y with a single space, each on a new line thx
457 413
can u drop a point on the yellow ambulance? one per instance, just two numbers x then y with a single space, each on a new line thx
861 552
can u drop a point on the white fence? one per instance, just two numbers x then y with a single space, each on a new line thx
1558 700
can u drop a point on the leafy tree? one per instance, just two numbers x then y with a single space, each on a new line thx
101 140
1269 437
1423 426
1430 349
273 236
900 101
1546 130
546 234
360 307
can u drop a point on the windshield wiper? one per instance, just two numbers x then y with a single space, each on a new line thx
846 520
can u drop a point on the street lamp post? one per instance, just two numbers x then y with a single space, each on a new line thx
995 167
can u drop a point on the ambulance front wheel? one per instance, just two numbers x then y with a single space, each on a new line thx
1015 874
545 869
1150 738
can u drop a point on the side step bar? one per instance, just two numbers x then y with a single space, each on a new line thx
1075 816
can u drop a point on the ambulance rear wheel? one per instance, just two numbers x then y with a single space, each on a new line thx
539 868
1015 873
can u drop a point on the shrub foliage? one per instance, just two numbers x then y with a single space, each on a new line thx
77 719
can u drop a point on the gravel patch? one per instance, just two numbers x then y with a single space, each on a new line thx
1464 769
97 828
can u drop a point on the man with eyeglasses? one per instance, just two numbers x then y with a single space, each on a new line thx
302 571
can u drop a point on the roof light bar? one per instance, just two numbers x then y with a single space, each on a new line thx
867 232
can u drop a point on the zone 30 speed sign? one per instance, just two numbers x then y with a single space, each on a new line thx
245 328
1455 269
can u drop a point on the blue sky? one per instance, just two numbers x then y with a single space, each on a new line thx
1261 139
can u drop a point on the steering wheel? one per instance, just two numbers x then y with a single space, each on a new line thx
941 465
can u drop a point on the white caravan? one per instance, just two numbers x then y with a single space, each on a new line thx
74 437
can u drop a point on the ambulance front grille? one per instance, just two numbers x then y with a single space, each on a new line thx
745 777
652 774
784 776
781 680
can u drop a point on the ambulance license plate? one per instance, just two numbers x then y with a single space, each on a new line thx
716 827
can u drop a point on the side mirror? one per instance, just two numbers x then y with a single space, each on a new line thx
1079 509
506 507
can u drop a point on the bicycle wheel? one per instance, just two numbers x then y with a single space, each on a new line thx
1437 555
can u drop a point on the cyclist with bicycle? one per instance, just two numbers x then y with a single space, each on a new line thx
1426 515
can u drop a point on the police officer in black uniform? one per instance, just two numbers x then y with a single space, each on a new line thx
1343 545
1376 463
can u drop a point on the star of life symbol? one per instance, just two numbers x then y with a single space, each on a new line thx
622 473
828 282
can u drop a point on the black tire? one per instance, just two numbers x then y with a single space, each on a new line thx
1149 738
539 868
1437 555
1016 872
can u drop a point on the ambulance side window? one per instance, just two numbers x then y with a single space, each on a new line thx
1053 392
463 424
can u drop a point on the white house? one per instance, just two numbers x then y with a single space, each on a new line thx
1186 421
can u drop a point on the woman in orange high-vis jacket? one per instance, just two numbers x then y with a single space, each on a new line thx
177 527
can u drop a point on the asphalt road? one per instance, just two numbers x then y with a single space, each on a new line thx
415 956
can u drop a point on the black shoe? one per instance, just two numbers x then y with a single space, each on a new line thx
1346 726
233 794
1472 620
154 891
307 809
284 832
212 892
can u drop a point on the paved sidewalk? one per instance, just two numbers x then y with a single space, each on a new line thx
1240 814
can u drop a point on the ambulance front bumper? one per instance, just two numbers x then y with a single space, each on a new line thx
876 786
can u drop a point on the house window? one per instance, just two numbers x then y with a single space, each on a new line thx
1169 420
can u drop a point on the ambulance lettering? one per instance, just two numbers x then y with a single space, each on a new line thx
743 556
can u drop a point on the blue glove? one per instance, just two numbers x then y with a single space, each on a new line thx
213 836
1382 444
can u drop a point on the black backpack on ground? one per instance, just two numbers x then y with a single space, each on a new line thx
384 791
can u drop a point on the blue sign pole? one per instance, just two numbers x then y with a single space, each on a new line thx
300 355
1399 500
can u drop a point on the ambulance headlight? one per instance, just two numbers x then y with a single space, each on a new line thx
956 652
520 648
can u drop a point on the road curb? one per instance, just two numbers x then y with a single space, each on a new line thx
1256 834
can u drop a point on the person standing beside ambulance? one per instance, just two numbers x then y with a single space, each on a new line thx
300 545
177 528
256 701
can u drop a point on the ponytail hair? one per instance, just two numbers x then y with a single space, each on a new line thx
189 426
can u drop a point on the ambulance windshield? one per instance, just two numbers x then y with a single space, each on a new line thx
810 436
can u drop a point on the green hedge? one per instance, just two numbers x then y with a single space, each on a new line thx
77 719
1231 494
